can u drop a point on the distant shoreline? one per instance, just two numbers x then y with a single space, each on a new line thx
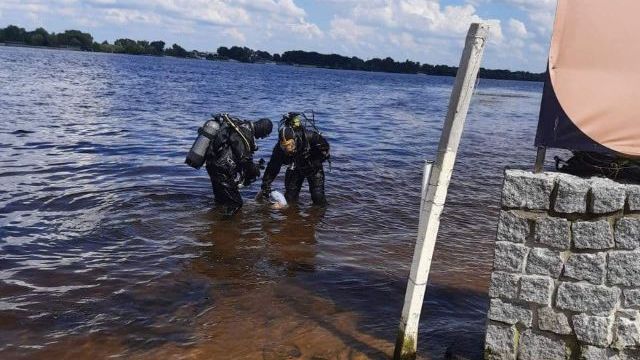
23 45
256 63
76 40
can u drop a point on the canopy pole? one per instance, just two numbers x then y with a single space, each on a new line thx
540 155
435 190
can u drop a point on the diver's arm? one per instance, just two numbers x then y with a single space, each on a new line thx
273 168
248 170
319 146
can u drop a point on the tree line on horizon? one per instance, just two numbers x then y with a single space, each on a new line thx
79 40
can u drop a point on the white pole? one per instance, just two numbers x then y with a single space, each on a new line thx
434 197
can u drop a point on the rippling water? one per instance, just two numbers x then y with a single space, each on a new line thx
111 246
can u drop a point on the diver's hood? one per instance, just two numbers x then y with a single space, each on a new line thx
262 128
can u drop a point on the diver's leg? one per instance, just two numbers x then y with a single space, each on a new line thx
233 199
293 180
316 187
226 192
219 194
218 190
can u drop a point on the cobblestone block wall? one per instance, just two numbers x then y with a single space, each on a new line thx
566 272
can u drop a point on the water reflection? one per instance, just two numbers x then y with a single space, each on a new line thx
292 239
260 244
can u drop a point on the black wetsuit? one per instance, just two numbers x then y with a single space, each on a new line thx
306 163
230 162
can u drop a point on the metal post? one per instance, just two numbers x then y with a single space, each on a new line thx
436 188
540 155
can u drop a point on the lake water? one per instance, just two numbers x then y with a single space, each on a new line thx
111 245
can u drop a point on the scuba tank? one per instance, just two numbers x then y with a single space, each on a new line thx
196 156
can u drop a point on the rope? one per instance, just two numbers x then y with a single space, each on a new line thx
246 142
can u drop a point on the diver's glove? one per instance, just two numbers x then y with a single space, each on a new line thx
250 172
254 171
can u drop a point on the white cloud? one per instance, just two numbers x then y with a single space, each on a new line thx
104 2
24 6
348 30
403 40
417 16
235 35
518 28
283 7
540 12
537 49
120 16
374 13
307 30
422 30
495 31
237 17
215 12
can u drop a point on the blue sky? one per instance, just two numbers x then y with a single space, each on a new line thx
429 31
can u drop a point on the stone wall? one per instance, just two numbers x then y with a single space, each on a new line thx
566 277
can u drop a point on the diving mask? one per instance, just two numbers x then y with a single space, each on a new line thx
296 121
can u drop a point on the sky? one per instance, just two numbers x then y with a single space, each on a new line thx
428 31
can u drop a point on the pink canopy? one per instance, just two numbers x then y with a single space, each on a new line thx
594 70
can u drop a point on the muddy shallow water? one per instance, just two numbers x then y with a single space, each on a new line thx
111 246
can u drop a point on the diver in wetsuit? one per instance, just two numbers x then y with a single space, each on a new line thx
304 151
229 158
